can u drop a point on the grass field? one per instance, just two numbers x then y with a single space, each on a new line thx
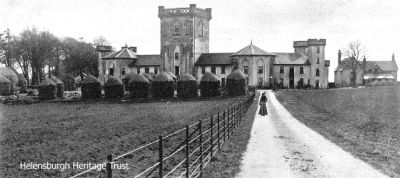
87 132
364 122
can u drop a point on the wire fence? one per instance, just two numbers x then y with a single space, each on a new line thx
184 153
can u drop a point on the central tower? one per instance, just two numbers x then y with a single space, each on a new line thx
184 36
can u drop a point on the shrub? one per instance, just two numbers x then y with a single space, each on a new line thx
114 88
11 76
47 90
148 76
153 75
90 88
127 78
187 86
236 83
139 86
69 83
209 85
59 85
172 75
163 86
5 86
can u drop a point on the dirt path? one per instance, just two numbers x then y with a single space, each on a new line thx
281 146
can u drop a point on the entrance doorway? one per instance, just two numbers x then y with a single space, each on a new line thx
177 70
291 77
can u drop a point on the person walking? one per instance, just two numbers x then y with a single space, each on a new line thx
263 105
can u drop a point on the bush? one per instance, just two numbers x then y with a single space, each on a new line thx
90 88
139 87
11 76
69 83
209 85
187 86
127 78
114 88
47 90
22 83
148 76
163 86
236 83
172 75
59 85
5 86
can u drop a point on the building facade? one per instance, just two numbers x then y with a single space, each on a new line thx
366 72
184 48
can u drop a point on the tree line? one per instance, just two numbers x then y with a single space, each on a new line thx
40 54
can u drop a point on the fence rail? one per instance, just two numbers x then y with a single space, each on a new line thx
201 141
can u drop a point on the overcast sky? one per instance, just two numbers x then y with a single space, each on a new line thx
273 25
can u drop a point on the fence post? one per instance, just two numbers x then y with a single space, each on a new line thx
229 126
187 152
160 156
219 147
211 136
108 166
223 116
201 149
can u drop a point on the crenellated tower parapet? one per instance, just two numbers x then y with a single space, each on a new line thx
192 10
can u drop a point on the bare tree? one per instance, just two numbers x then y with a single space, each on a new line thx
356 53
101 41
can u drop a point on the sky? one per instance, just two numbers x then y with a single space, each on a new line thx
272 25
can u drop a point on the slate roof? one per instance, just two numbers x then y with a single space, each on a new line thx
291 59
252 50
214 59
148 60
383 65
124 53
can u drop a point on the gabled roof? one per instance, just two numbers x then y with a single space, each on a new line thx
347 64
291 59
384 65
124 53
252 50
214 59
148 60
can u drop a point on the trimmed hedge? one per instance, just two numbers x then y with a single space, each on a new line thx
187 86
5 86
69 83
47 90
209 85
163 86
114 88
148 76
127 78
91 88
60 86
236 83
139 87
11 76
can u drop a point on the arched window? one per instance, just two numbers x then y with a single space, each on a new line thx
245 65
188 27
317 72
260 65
201 28
176 27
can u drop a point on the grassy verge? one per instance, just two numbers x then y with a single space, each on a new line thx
364 122
227 161
87 132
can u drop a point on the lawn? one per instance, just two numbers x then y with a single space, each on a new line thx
364 122
87 132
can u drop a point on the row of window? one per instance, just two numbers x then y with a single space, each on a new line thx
282 70
213 70
123 71
188 28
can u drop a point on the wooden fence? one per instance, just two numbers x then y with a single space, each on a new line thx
197 144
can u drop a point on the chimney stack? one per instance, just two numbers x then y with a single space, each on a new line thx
393 58
339 57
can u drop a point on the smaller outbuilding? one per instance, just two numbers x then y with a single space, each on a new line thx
114 88
47 89
91 87
209 85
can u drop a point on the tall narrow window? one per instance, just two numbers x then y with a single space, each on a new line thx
177 70
155 70
111 70
317 49
223 81
123 72
260 69
203 69
138 70
245 70
176 29
104 68
146 70
318 60
213 70
222 69
201 28
176 56
317 72
281 70
301 70
187 27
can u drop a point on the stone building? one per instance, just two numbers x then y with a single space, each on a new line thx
367 72
184 48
